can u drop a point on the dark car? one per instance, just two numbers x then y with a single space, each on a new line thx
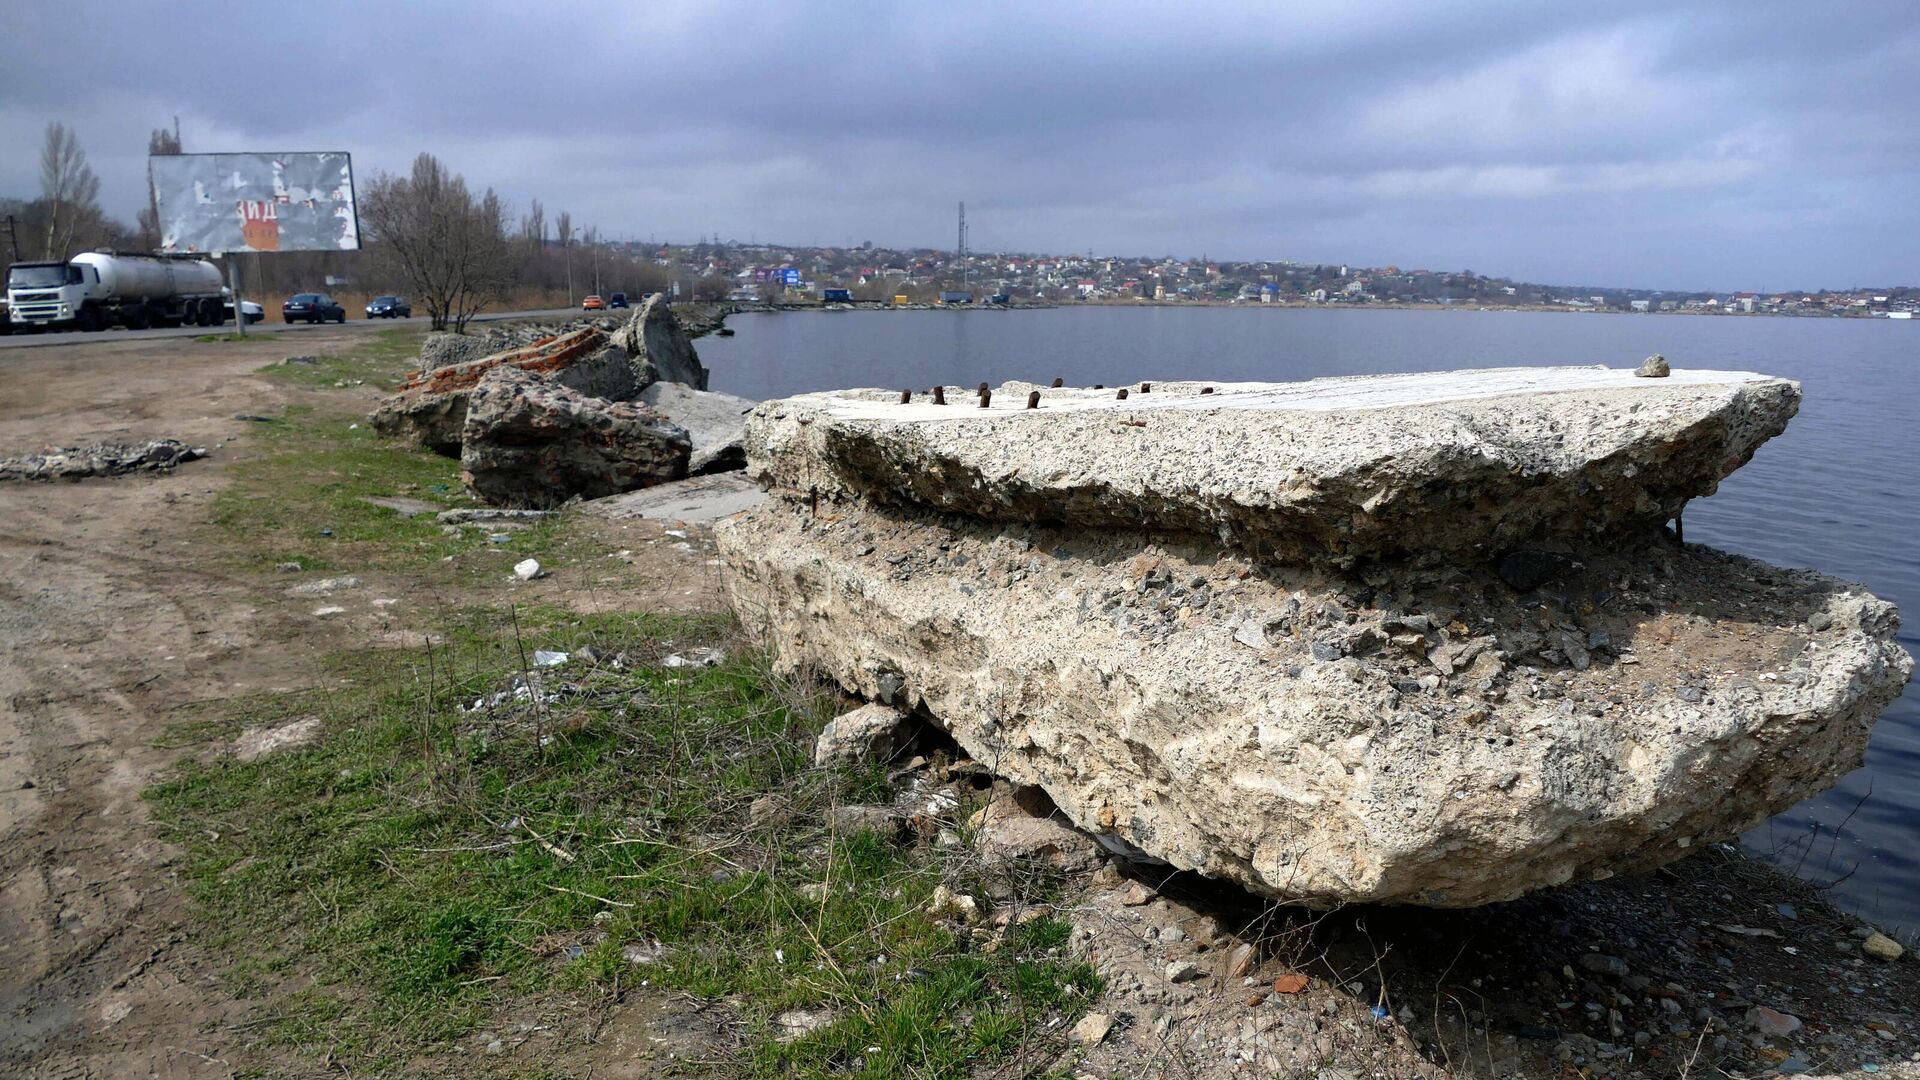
389 307
618 299
313 307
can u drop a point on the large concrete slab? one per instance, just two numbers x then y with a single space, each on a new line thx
697 500
1341 469
1428 737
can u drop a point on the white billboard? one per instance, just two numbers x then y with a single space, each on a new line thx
217 203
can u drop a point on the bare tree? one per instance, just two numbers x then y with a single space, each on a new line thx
592 239
533 229
563 231
161 143
70 190
451 248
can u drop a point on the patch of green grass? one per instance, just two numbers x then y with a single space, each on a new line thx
382 359
427 866
303 497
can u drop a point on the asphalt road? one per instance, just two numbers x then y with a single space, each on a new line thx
18 340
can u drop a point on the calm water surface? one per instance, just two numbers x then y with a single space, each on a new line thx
1837 492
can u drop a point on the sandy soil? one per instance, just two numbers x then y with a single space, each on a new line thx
113 618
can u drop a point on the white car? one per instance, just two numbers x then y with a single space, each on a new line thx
254 311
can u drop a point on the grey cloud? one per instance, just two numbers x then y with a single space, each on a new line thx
1710 145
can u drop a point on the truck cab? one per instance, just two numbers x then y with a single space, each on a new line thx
45 293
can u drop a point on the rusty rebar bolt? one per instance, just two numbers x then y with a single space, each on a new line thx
939 395
1122 395
986 396
1033 399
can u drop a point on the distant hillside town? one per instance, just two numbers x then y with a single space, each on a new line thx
777 273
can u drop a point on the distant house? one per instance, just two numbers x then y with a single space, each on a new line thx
1640 305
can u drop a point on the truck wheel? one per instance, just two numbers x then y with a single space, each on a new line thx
136 317
90 320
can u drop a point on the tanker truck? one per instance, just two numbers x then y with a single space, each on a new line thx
98 289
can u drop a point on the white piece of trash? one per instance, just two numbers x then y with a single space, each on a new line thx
549 658
527 569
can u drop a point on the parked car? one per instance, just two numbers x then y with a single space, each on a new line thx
593 303
389 307
618 299
254 311
313 307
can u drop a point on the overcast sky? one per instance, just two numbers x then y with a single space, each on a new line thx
1703 146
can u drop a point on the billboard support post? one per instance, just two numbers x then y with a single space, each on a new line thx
239 302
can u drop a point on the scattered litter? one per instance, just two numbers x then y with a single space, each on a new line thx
323 612
385 601
528 569
677 534
499 538
518 691
702 657
549 658
252 419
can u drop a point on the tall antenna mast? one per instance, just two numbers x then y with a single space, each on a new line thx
960 252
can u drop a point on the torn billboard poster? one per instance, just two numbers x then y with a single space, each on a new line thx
214 203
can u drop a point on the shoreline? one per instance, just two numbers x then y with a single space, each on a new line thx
771 309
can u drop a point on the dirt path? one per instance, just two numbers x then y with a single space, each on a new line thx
109 624
115 620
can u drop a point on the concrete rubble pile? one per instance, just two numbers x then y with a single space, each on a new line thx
1416 639
585 390
99 459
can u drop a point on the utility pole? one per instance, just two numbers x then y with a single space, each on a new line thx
13 234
